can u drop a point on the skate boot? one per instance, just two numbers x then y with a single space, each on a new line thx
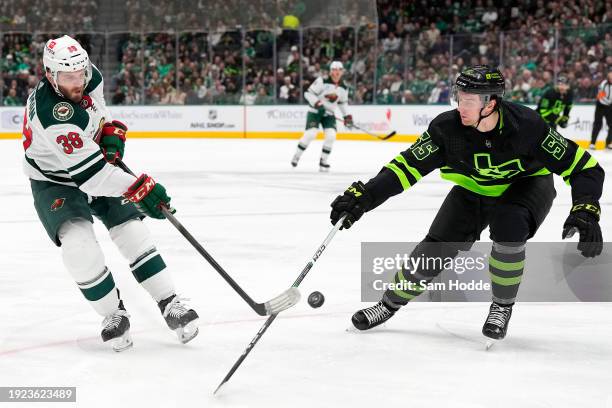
295 160
323 166
116 329
372 316
609 146
496 325
179 318
298 153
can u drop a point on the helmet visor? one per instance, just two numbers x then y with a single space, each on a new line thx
466 99
71 79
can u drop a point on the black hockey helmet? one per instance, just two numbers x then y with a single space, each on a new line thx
562 79
486 82
482 80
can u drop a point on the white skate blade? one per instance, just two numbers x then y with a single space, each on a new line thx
353 329
122 343
285 300
188 332
490 343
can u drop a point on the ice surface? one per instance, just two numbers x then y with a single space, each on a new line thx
262 219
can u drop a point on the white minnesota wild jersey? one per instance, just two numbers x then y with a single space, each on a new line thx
59 140
330 94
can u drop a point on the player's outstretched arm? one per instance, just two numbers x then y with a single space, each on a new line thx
585 176
401 173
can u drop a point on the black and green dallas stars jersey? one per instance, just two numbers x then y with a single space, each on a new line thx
487 163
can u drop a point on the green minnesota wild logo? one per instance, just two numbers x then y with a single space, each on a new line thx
484 167
63 111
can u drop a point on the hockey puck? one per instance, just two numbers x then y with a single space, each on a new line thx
316 299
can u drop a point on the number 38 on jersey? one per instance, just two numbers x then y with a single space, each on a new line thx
70 142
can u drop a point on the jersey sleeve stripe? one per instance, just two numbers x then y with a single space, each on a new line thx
579 153
84 162
400 175
409 176
48 174
88 173
86 166
586 163
591 163
415 173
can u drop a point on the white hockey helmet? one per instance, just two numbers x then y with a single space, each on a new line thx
336 65
65 54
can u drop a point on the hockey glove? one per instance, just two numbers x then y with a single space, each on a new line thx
112 140
354 202
320 108
149 197
562 121
348 121
584 218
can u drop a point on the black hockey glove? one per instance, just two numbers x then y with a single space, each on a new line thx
584 218
354 202
562 121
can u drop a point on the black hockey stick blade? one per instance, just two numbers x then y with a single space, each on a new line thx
389 136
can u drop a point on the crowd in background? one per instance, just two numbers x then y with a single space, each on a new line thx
263 54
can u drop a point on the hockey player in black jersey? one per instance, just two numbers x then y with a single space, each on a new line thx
556 103
501 156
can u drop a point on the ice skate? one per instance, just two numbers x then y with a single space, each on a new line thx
496 325
179 318
323 166
372 316
116 329
295 160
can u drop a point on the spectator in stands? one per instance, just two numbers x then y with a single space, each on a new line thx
585 92
263 98
248 96
440 94
284 90
12 99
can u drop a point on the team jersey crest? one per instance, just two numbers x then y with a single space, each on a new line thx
63 111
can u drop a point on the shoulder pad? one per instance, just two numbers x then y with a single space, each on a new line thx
52 109
96 79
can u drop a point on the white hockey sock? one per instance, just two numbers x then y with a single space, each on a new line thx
330 137
84 260
309 136
160 286
134 242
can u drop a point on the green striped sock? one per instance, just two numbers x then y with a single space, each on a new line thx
506 266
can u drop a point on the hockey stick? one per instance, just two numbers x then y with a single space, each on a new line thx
268 322
383 137
285 300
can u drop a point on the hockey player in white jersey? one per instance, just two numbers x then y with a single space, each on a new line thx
71 142
323 96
